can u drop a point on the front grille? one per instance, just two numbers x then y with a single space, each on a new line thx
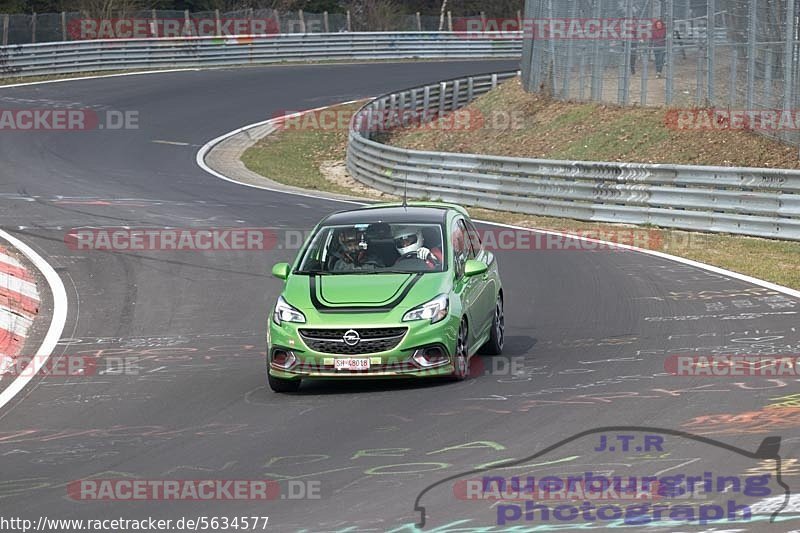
373 340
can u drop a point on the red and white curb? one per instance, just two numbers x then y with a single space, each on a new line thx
19 305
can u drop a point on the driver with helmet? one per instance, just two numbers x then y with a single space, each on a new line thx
410 244
354 253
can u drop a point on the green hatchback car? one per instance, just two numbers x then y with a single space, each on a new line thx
386 291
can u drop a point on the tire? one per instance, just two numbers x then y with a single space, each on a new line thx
282 385
494 346
461 357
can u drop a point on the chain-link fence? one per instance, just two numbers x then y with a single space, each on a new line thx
739 57
68 26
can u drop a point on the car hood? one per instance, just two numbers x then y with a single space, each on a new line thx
343 291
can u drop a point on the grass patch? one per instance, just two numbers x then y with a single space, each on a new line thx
294 157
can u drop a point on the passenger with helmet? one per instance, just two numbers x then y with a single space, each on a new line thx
354 253
410 244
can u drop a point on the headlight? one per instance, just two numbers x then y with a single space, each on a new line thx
435 310
286 313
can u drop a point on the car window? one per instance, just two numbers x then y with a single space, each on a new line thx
460 244
376 247
467 241
474 238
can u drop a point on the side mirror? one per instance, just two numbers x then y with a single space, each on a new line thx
475 268
281 270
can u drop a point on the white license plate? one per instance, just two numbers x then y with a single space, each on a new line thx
351 364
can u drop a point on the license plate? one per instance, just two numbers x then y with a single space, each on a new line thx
351 364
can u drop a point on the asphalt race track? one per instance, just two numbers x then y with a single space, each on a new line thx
587 332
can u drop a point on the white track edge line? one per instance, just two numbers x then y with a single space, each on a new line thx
690 262
56 323
200 158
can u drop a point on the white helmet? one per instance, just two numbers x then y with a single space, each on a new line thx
407 240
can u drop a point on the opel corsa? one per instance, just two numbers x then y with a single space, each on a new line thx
389 291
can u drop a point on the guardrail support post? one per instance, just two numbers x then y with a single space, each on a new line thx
414 102
5 30
494 81
217 22
442 95
325 23
470 88
63 26
456 94
33 28
426 103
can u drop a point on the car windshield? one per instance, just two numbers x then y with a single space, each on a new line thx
377 248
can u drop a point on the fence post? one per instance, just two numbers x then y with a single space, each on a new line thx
768 79
519 20
63 26
5 30
449 21
711 33
788 85
302 21
187 24
325 23
670 57
419 22
622 93
751 56
218 23
349 22
597 89
570 56
277 20
33 28
643 83
732 89
154 23
698 97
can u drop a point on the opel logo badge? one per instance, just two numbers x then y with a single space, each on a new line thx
351 337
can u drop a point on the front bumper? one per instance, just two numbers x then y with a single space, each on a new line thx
397 362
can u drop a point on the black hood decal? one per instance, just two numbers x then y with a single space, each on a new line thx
383 307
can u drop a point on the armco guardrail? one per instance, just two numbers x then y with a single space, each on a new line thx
117 54
749 201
